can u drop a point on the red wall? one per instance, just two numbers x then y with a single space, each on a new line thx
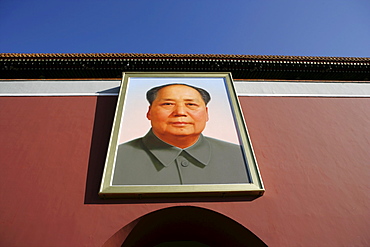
313 155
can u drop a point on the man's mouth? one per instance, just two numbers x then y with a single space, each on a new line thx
179 123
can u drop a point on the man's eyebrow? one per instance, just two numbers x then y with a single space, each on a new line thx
169 99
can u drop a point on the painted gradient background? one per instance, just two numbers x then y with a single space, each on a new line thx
135 124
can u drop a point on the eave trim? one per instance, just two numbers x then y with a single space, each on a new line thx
243 88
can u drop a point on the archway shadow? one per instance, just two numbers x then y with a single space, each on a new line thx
184 223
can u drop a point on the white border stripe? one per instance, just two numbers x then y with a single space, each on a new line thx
243 88
302 89
59 88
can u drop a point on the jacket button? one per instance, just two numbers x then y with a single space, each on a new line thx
184 163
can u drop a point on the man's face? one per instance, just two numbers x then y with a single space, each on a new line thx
178 111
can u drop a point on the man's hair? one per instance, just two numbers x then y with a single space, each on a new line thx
151 95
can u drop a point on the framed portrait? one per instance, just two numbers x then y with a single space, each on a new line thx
179 134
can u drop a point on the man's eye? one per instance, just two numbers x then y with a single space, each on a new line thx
167 104
191 104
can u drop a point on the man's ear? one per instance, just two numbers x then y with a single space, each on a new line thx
207 114
148 116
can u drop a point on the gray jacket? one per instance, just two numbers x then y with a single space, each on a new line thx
150 161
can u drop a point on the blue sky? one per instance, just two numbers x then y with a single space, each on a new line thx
247 27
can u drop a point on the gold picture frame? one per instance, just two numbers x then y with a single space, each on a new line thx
130 118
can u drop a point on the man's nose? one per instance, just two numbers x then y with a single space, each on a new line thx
180 110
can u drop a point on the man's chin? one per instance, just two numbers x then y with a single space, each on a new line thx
178 133
182 133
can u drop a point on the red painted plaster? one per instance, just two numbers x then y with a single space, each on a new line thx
313 154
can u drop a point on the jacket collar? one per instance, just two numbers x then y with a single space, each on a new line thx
166 153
